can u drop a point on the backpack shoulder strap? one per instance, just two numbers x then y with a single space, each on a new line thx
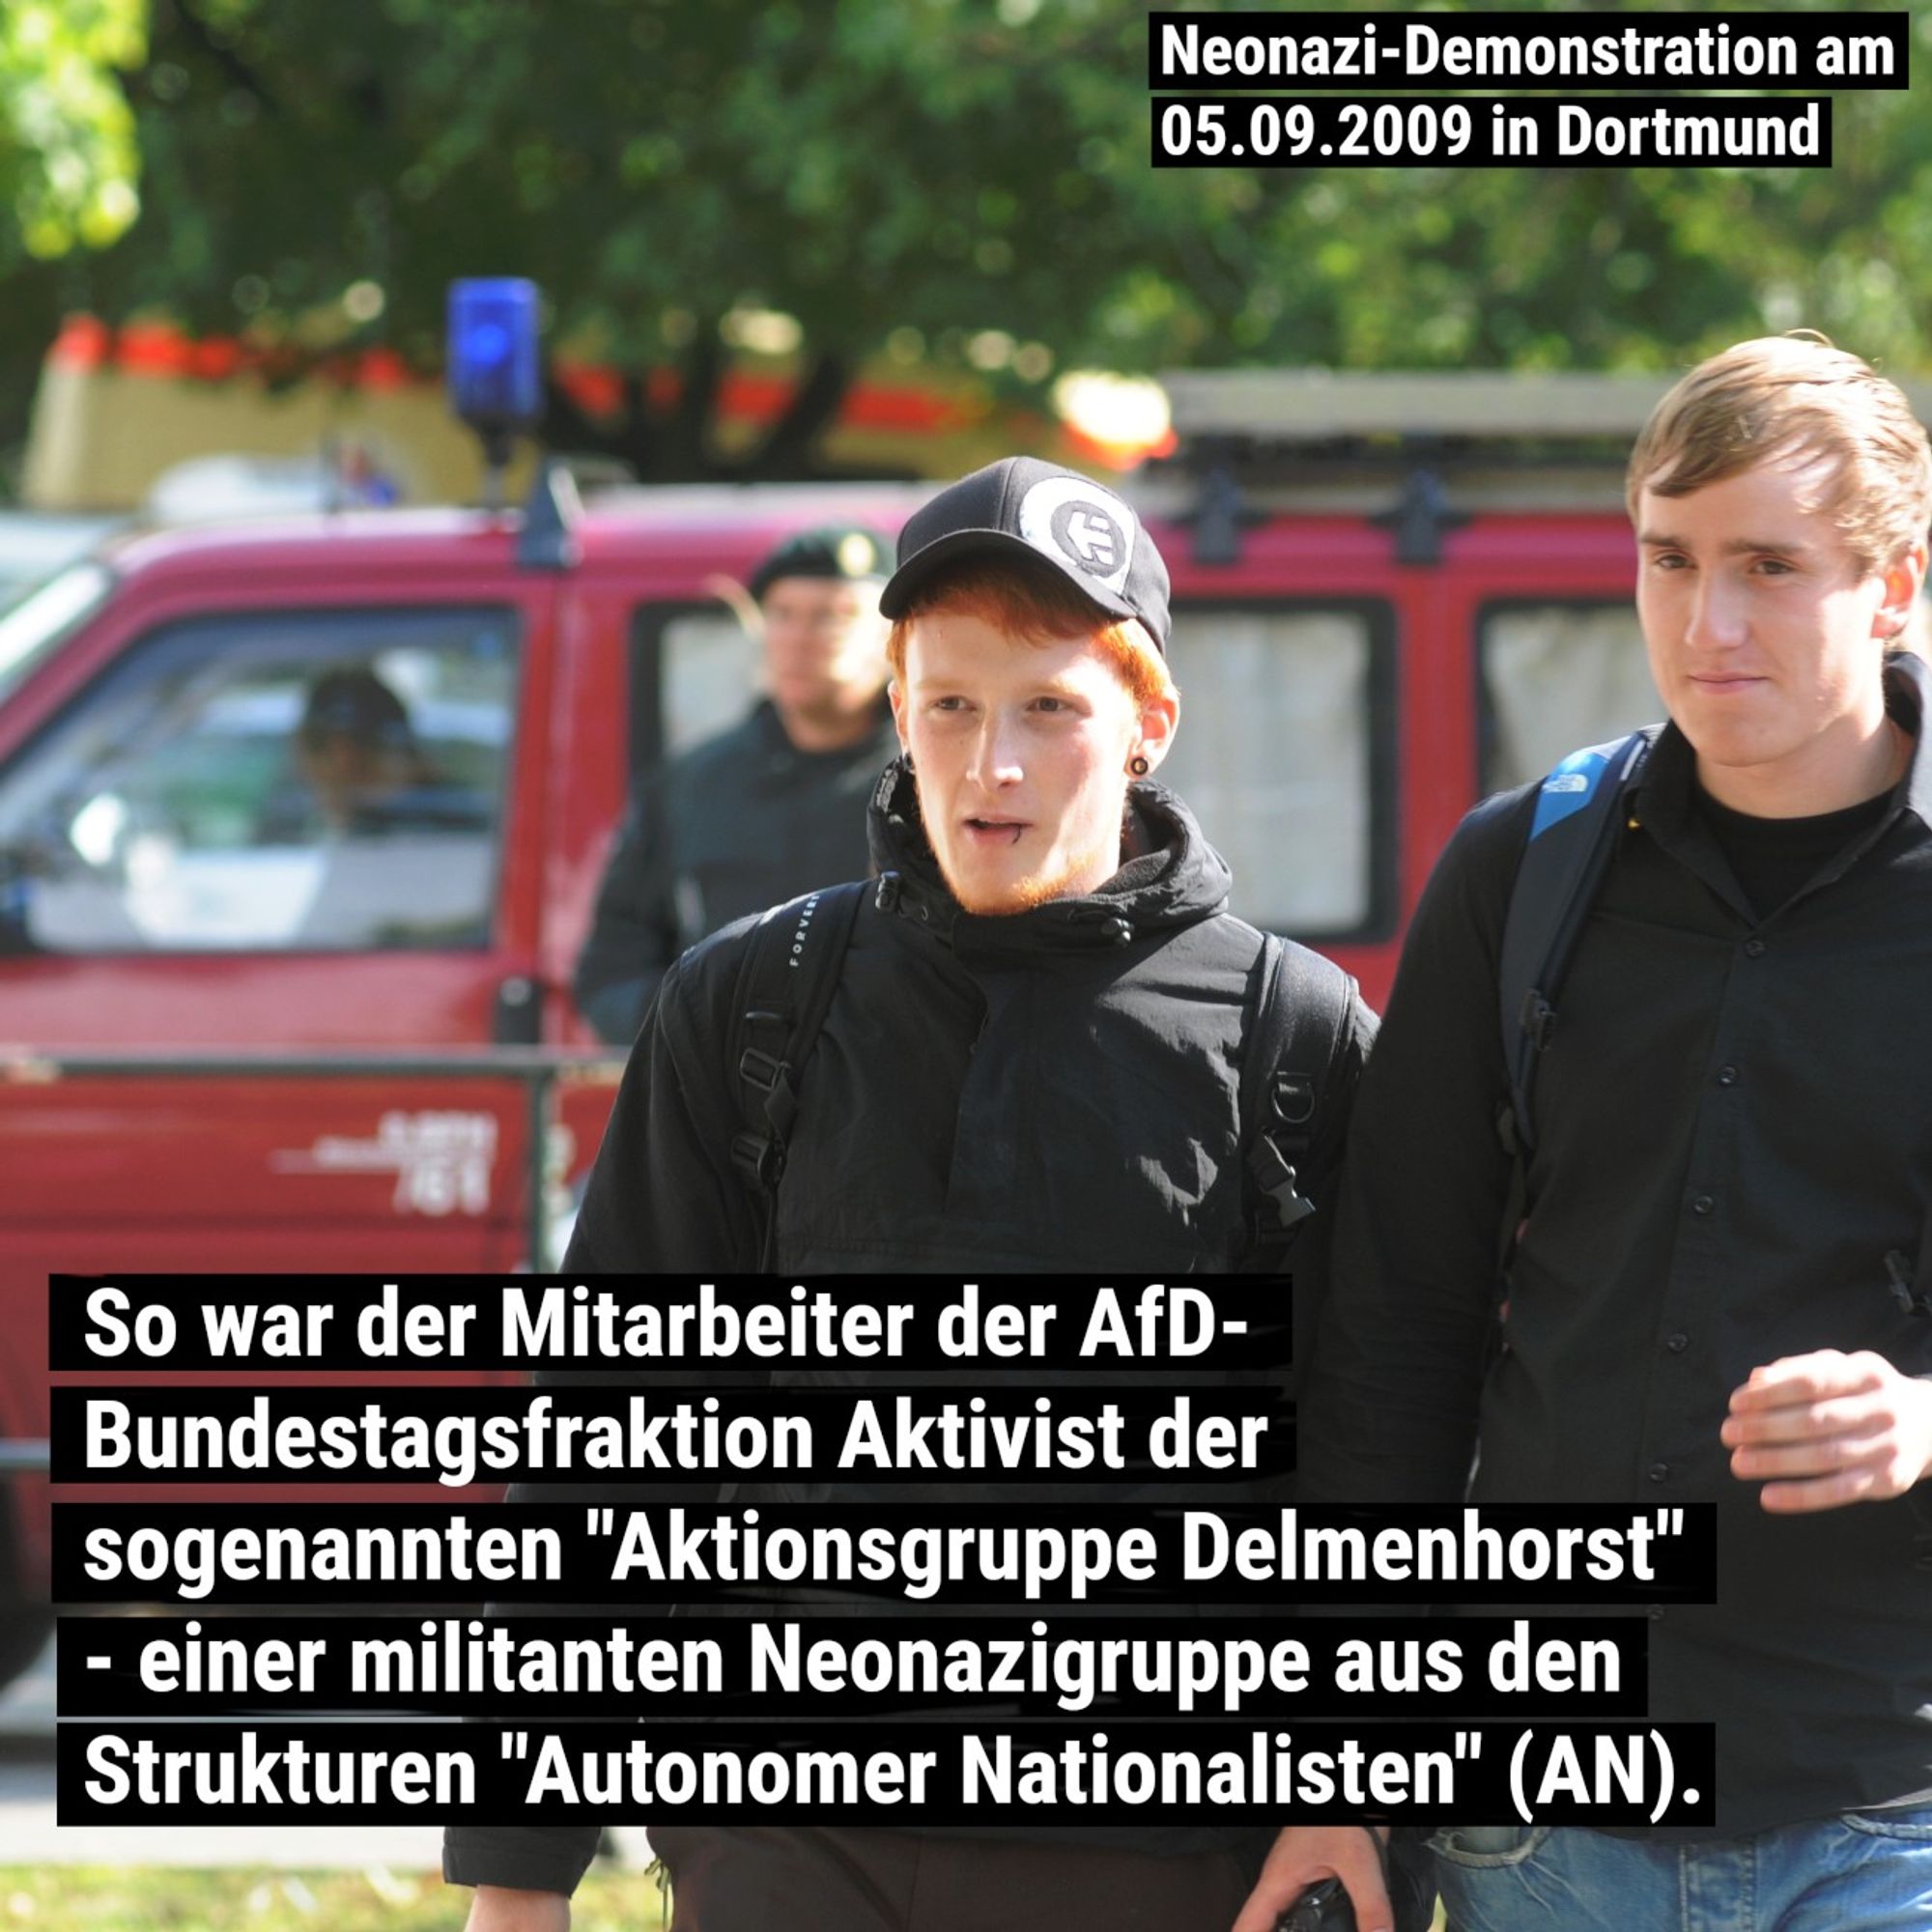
785 982
1580 812
1299 1008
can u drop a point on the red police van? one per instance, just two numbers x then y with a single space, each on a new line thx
231 1041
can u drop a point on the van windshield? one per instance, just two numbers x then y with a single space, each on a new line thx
36 623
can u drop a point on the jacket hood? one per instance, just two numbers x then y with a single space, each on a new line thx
1178 880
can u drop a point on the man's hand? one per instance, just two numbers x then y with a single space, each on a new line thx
1304 1854
499 1908
1827 1429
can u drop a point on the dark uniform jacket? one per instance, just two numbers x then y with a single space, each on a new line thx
1055 1090
741 822
1733 1164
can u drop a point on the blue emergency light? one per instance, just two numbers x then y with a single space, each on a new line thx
496 378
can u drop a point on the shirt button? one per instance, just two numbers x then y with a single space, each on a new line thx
1677 1343
1702 1204
1659 1472
1753 948
1727 1076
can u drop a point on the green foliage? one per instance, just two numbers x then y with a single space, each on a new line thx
67 172
1593 268
68 163
653 165
927 172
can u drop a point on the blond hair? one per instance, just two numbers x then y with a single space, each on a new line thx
1795 399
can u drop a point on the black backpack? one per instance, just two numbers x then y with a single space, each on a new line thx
1582 811
1301 1005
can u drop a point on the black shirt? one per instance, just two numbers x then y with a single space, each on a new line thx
1771 857
1053 1089
1735 1131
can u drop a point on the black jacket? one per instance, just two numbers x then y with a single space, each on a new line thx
1734 1163
977 1090
741 822
1057 1091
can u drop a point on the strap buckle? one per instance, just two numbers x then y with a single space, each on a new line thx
759 1069
1278 1181
759 1158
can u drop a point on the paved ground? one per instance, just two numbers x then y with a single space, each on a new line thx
29 1836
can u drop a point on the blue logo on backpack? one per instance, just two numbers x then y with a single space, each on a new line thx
1569 787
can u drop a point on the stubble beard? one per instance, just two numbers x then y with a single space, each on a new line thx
1021 895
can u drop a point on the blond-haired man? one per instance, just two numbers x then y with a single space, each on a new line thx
1718 1293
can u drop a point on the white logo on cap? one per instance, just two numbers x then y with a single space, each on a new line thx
1071 520
1094 538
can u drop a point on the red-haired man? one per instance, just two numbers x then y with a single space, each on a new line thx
1033 1062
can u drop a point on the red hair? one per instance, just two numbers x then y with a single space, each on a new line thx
1033 602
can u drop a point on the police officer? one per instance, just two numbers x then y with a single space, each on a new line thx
1033 1060
769 809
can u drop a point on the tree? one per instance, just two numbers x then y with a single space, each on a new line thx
952 178
68 162
658 168
67 165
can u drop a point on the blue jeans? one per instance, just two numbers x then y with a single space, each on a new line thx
1868 1871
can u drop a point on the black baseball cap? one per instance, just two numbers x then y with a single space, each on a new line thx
847 552
1024 507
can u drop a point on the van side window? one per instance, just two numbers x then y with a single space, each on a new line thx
1556 677
1286 755
281 781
